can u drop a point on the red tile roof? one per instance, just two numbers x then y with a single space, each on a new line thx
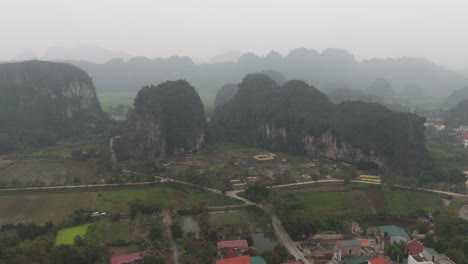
125 258
233 244
238 260
378 261
414 247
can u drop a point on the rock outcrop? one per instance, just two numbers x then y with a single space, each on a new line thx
168 119
300 119
47 96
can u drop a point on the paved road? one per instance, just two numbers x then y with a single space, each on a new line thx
286 240
170 238
280 232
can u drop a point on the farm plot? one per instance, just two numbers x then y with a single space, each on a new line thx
168 197
66 236
29 173
311 203
40 208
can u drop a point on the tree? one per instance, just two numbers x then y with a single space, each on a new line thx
396 251
65 254
208 252
271 257
32 252
176 229
282 252
456 255
152 259
78 241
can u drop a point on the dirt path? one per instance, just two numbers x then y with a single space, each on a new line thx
169 237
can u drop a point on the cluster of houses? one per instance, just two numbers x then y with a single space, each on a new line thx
361 252
239 252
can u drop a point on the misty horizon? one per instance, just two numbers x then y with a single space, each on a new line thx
367 29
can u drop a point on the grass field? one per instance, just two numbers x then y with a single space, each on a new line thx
229 218
42 207
108 99
445 154
66 236
110 232
44 172
406 202
168 198
308 203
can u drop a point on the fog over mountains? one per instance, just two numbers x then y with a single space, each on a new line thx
329 70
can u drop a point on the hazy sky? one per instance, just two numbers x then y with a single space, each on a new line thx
437 30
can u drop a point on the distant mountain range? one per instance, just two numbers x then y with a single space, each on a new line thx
323 70
84 53
89 53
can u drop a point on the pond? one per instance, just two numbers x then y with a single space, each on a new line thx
263 242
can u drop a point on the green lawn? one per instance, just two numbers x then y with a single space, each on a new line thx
229 218
167 197
110 232
445 154
406 202
42 207
309 203
66 236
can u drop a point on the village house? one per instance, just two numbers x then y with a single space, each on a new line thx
236 260
392 234
232 248
351 248
126 259
242 260
414 247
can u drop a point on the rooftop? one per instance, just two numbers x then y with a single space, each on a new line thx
257 260
125 258
419 258
356 260
378 261
430 251
237 260
394 231
233 244
414 247
348 243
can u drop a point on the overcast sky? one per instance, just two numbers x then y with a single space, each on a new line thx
437 30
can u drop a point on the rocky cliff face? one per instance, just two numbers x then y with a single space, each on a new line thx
299 119
168 120
46 95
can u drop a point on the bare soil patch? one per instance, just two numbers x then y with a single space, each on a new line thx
376 197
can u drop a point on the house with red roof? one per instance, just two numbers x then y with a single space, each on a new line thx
345 249
126 259
236 260
378 261
232 248
414 247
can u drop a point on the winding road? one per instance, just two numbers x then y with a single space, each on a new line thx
280 232
168 221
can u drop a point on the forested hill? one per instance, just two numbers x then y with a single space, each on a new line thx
45 96
168 119
300 119
320 69
458 115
